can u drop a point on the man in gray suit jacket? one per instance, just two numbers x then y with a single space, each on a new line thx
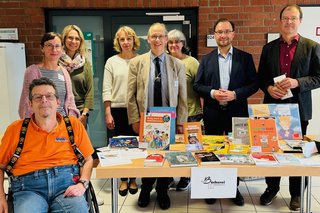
142 94
299 59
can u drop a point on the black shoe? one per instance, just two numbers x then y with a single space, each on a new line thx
267 197
170 182
133 187
210 201
124 191
183 184
238 200
163 200
144 198
295 203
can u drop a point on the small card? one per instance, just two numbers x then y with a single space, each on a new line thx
279 79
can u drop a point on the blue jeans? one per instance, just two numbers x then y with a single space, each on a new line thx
42 191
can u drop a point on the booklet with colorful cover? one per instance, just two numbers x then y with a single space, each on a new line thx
206 158
157 127
287 118
154 160
240 133
263 134
264 159
179 159
192 136
124 142
287 159
235 159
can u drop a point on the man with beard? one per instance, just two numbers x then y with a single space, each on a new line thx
226 78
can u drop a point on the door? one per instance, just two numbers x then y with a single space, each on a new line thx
103 25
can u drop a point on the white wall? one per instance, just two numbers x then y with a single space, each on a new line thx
310 22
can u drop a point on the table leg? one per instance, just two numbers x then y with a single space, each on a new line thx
308 205
114 194
302 188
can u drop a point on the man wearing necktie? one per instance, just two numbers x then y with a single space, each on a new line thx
156 79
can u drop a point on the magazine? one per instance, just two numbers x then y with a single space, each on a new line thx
263 134
192 136
157 128
287 118
179 159
235 159
287 159
206 158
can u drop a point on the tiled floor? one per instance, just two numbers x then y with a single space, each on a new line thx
181 202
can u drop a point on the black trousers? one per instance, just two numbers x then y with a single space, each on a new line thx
273 183
161 186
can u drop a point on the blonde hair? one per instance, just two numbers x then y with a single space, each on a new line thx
129 32
82 49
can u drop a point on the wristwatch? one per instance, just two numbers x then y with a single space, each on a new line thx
85 183
85 114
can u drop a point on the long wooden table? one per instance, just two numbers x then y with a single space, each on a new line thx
137 169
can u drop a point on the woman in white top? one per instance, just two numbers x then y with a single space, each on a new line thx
114 93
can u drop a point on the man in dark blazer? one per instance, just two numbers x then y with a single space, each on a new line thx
226 78
299 59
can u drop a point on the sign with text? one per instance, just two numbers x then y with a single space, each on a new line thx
213 183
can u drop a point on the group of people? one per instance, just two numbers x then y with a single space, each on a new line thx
214 90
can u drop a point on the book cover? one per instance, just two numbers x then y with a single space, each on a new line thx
235 159
264 159
287 159
287 118
124 142
206 158
240 131
157 128
154 160
263 134
179 159
192 136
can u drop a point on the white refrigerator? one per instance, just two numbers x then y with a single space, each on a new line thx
12 68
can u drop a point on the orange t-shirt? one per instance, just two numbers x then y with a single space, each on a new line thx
43 149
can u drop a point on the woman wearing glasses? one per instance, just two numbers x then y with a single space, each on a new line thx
74 60
177 47
114 93
51 47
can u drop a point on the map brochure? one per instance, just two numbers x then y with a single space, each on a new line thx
179 159
287 118
157 128
192 136
235 159
263 134
206 158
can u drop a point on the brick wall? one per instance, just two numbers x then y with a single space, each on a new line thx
253 19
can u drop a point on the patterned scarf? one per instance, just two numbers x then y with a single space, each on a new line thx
71 64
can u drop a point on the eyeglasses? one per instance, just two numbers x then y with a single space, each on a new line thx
155 37
293 19
51 46
220 32
174 41
49 96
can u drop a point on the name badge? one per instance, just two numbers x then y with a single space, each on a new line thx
61 77
176 83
